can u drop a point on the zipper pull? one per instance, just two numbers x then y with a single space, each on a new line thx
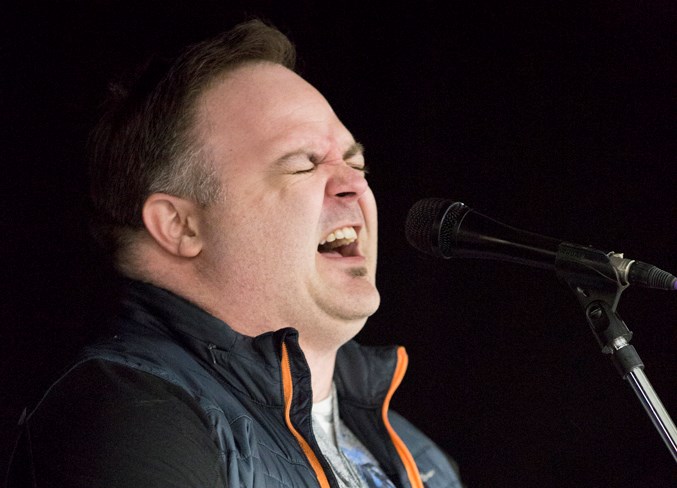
211 348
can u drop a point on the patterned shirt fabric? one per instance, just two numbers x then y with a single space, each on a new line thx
352 463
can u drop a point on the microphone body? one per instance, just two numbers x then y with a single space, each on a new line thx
447 229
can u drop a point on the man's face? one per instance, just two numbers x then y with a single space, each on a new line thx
294 183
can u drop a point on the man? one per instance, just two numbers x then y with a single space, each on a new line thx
235 202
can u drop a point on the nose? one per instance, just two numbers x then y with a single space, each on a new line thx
346 182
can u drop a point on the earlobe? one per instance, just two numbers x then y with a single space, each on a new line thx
173 223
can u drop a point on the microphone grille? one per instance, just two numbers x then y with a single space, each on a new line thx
423 224
448 228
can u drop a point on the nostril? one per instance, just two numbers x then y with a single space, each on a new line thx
346 194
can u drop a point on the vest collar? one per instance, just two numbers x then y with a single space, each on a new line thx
251 365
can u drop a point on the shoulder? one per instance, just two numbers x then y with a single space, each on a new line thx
103 422
98 386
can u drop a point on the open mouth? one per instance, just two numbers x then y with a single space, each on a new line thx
340 242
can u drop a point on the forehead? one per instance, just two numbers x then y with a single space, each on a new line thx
267 108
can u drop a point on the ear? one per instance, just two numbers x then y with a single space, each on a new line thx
173 222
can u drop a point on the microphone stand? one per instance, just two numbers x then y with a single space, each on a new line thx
598 287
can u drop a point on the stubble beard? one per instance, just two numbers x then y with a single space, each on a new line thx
358 272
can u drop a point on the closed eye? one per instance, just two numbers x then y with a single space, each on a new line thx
364 169
304 171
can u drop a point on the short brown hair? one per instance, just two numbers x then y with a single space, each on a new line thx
144 142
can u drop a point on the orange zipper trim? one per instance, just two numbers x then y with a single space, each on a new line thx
405 455
288 388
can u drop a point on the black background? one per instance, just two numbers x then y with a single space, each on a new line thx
555 117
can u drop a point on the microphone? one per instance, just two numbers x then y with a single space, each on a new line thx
448 229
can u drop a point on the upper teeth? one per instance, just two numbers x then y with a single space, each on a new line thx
347 233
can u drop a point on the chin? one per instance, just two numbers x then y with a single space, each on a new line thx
362 307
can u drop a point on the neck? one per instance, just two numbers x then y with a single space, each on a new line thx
321 366
320 358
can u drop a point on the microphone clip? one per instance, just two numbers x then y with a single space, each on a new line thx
591 274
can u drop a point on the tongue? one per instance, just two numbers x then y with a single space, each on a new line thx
329 249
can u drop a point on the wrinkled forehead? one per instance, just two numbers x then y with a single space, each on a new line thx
264 105
260 93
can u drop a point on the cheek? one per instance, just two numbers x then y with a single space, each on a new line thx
369 210
300 209
276 220
289 230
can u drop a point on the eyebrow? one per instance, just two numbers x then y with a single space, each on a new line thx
355 149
